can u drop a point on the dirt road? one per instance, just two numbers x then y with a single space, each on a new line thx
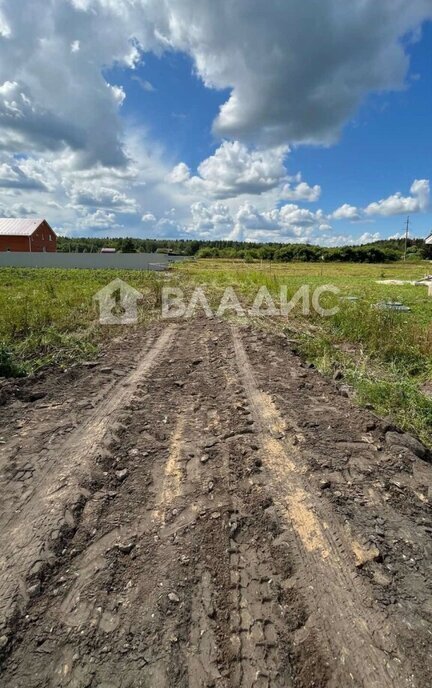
198 509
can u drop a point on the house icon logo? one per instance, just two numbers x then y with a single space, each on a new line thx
118 303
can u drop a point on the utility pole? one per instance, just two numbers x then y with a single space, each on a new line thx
406 237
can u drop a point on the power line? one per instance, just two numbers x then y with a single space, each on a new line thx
406 237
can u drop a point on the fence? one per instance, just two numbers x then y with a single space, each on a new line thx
119 261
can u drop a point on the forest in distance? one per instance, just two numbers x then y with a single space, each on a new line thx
384 251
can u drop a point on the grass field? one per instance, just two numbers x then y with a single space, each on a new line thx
49 316
386 356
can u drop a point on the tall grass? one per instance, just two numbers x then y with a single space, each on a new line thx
385 355
50 316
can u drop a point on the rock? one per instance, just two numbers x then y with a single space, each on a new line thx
197 361
173 598
344 391
122 474
371 425
338 375
179 383
204 458
324 484
36 396
395 439
90 364
216 514
106 370
125 548
210 442
34 590
365 553
3 641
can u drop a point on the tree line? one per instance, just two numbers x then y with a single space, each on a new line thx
377 252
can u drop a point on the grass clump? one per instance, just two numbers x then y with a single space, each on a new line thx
9 366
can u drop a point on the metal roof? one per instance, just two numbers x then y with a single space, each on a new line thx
18 226
429 239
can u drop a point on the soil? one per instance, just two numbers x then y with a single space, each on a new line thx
198 508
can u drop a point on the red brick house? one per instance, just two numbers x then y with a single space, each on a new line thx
29 235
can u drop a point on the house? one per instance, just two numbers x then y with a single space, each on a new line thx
27 235
107 249
429 239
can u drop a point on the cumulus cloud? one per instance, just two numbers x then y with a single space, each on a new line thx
248 223
12 176
346 212
179 174
294 73
236 169
148 217
399 204
300 192
396 204
297 70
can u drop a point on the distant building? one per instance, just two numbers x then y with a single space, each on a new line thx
27 235
429 239
108 250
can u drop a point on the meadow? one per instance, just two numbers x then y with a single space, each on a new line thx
49 317
385 356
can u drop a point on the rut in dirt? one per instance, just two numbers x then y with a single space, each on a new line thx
240 525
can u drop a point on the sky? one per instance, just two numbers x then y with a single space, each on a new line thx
284 120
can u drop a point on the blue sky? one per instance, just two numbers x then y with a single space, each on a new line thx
297 121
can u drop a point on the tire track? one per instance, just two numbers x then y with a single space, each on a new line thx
28 544
339 603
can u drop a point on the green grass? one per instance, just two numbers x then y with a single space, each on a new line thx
385 355
48 316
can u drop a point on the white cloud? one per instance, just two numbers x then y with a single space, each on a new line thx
179 174
294 72
368 237
301 192
91 194
145 85
148 217
298 69
248 223
235 169
346 212
398 204
100 219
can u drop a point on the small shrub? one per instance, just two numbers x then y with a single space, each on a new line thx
9 367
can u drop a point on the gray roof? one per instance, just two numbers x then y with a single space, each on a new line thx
429 239
18 226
